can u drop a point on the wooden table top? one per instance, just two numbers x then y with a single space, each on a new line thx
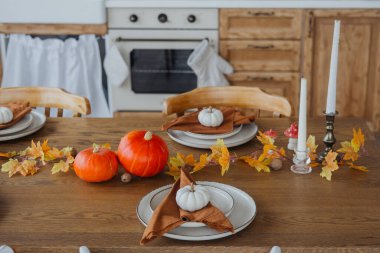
300 213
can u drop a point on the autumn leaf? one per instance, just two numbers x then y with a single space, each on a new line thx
350 152
256 163
13 166
310 143
8 154
358 138
62 166
36 151
203 161
265 139
224 160
53 154
357 167
330 166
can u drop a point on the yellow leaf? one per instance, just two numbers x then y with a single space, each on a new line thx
66 151
173 171
13 166
61 166
310 143
265 139
326 173
203 160
254 163
177 161
53 154
357 167
349 151
28 167
358 138
330 166
10 167
224 160
8 154
35 151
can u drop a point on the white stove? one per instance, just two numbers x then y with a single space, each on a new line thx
155 43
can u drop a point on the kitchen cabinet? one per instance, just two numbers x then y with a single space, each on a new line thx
358 79
264 47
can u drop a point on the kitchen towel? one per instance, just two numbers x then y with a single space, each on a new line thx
190 123
116 69
72 64
168 215
209 66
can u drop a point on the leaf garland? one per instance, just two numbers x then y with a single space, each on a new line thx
30 160
261 159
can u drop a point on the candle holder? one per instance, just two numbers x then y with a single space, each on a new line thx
301 162
329 139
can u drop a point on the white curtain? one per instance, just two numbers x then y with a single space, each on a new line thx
73 64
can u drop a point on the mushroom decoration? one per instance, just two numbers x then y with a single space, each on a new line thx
271 133
292 134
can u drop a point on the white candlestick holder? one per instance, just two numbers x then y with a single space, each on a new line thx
301 162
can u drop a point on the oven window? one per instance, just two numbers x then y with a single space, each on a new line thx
161 71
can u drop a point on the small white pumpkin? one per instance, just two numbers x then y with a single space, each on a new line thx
210 117
192 197
6 115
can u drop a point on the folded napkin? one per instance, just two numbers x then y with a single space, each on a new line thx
190 123
168 215
19 109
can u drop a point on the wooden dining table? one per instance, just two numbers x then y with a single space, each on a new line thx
301 213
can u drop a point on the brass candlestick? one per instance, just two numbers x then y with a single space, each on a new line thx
329 139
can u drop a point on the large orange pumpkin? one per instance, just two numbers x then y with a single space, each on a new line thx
142 153
96 164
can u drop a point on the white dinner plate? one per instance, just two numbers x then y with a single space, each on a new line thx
219 198
247 133
38 121
242 215
21 125
214 136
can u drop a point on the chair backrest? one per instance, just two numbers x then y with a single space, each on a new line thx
48 98
231 96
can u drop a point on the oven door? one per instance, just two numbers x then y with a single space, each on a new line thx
157 60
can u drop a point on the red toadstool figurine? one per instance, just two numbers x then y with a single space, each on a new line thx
292 133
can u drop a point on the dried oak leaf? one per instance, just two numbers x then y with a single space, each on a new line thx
330 166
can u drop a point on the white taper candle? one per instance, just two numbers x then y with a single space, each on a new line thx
302 121
331 92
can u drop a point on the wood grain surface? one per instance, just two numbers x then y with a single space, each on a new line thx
59 213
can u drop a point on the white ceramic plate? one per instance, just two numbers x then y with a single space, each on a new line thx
247 133
214 136
21 125
38 121
242 215
219 198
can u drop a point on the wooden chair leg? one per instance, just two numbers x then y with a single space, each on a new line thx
60 112
47 111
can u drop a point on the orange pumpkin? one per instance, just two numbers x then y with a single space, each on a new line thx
142 153
96 164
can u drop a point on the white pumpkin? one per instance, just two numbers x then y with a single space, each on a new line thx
192 197
6 115
210 117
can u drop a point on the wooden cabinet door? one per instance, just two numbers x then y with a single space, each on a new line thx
261 55
358 64
260 24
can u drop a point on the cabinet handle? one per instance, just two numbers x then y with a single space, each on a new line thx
260 47
261 13
260 78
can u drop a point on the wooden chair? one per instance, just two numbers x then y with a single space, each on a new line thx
231 96
48 98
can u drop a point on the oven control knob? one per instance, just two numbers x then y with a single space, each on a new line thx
191 18
162 18
133 18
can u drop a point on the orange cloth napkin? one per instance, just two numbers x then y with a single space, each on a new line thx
19 109
190 123
168 215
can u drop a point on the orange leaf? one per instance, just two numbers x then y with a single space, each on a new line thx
203 160
357 167
265 139
254 163
349 151
224 160
331 165
358 138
